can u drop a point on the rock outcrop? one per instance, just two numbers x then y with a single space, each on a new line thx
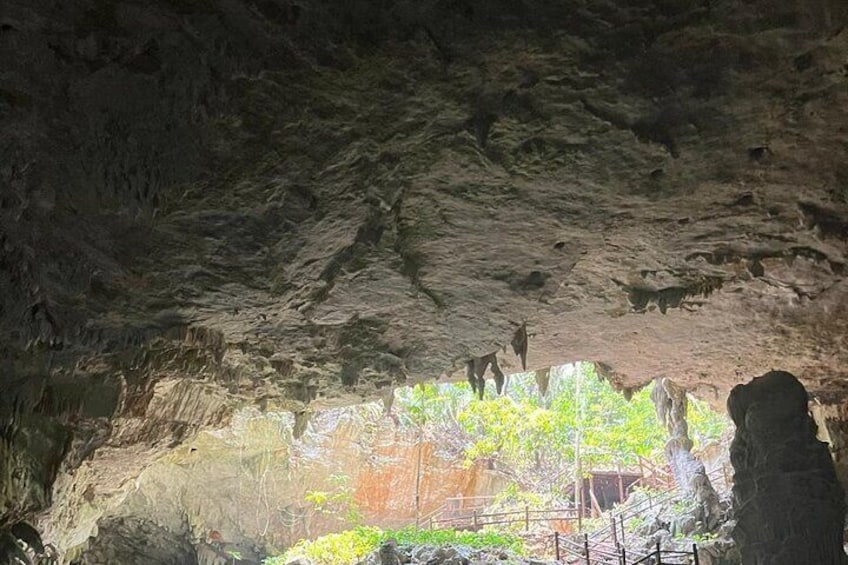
246 488
690 474
391 553
789 506
301 204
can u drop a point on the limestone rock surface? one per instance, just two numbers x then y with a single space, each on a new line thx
789 505
246 488
206 204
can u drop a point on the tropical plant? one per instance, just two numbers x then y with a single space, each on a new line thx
337 502
351 546
533 438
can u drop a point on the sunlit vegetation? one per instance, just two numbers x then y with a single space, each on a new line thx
336 502
529 437
352 545
533 438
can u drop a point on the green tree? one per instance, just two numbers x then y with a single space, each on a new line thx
532 438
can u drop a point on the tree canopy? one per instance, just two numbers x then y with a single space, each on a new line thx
533 436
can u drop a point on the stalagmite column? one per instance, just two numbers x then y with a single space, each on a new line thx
671 403
789 506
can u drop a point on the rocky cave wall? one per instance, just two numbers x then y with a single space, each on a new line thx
244 489
832 426
789 506
207 204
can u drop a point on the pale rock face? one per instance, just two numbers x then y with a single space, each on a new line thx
246 488
210 203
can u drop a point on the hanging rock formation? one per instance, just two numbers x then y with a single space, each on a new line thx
789 506
475 372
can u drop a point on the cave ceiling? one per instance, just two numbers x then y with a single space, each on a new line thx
212 203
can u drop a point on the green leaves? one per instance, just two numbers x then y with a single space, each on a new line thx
528 434
337 502
333 549
352 545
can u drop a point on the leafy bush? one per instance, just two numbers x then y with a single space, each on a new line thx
477 540
338 502
351 546
333 549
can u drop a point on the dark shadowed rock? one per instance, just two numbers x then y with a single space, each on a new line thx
789 506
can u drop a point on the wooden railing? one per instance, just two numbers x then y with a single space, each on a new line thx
601 554
606 546
666 557
475 519
614 531
654 476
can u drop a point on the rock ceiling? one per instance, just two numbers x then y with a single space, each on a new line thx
206 203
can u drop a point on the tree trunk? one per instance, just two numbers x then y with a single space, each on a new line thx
578 463
689 473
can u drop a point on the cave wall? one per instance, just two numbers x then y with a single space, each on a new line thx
245 488
788 503
304 204
832 424
139 542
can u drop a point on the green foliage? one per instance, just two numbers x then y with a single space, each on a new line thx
636 522
476 540
534 437
703 538
705 424
342 548
515 499
509 428
513 495
352 545
524 430
429 404
338 501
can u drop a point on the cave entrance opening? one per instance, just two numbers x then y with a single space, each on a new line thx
426 454
561 437
554 452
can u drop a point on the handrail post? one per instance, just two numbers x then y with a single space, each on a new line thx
556 546
614 529
431 522
592 511
622 530
526 517
658 555
579 516
623 556
475 520
620 484
695 553
586 547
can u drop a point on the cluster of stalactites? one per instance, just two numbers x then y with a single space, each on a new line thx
475 367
